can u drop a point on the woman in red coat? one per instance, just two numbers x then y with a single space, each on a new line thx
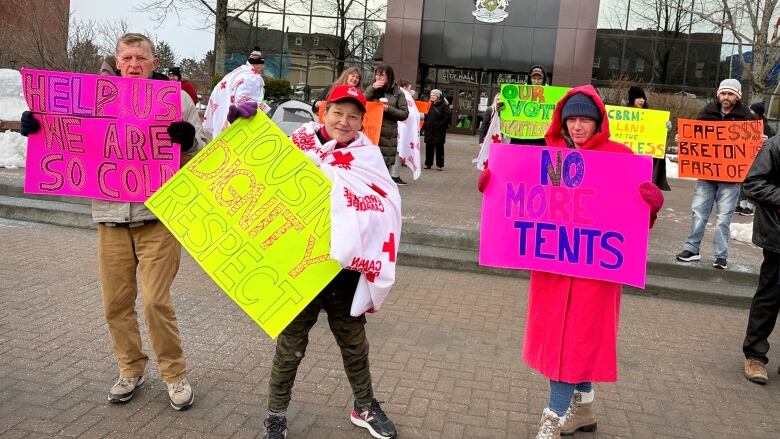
571 329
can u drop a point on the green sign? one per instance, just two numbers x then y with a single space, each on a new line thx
528 109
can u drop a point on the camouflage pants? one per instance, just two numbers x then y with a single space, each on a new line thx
350 334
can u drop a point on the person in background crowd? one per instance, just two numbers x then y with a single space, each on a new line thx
385 90
495 107
350 76
572 322
638 99
745 206
437 121
536 76
131 238
243 87
724 195
408 138
174 74
355 234
762 184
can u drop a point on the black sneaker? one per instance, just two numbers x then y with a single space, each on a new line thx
738 210
398 181
275 427
688 256
747 211
720 264
371 417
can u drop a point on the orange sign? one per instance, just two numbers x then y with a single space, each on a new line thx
372 121
717 151
423 108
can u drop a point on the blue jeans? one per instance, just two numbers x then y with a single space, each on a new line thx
725 196
561 394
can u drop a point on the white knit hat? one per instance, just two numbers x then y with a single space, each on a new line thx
731 85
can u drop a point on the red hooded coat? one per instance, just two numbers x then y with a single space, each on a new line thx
572 324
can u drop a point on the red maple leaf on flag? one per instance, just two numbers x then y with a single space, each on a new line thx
223 84
342 160
371 277
496 138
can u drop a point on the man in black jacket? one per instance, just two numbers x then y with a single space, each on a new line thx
706 193
762 185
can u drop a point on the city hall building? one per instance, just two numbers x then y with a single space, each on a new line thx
466 48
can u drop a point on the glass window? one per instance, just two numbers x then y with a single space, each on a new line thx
297 6
703 64
669 61
299 41
376 10
609 50
612 14
640 53
372 41
315 41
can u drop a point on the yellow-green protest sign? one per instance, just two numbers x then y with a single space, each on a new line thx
642 130
528 109
254 212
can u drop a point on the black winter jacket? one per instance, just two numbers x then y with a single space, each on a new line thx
762 185
438 119
397 110
711 111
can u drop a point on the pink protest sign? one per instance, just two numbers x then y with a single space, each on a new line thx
566 211
101 136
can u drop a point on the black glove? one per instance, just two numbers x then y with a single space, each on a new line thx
499 106
30 125
182 133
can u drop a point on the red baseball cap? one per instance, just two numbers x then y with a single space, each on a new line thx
348 92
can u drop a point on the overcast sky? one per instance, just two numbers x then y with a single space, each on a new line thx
185 37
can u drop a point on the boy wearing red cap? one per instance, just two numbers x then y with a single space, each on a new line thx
359 228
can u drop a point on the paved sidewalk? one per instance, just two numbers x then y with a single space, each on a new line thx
445 351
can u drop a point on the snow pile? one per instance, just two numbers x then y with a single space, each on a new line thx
672 169
742 232
13 150
12 102
13 146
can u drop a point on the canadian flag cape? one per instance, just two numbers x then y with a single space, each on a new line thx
493 135
365 212
241 85
409 137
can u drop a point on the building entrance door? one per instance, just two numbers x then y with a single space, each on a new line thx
464 102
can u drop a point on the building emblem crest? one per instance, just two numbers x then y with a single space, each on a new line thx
491 11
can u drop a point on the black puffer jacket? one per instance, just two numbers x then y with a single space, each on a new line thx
711 111
438 119
762 185
397 110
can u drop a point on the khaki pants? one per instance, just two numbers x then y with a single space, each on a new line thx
155 252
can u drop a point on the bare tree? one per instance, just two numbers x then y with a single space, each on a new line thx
84 52
35 33
214 13
749 23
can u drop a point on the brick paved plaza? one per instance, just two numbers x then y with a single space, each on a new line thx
445 358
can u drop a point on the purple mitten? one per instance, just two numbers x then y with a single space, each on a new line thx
245 110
